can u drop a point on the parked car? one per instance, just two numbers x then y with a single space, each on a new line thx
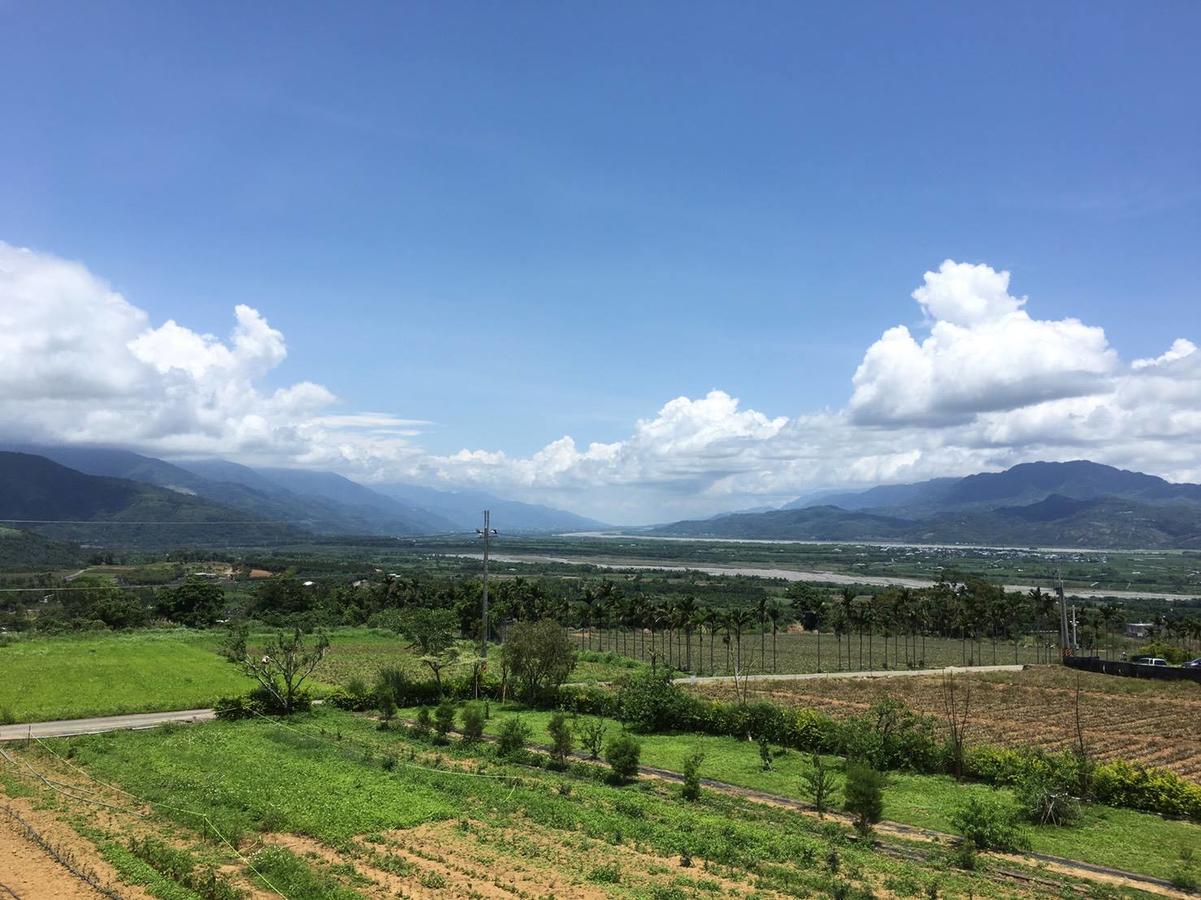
1193 663
1149 661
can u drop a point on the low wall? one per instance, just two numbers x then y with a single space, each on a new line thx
1132 670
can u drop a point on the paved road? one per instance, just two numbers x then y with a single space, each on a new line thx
69 727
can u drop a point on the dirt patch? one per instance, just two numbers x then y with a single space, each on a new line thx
31 871
1031 708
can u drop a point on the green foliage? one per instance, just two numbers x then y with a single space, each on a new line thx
819 784
562 738
197 603
180 867
513 736
295 879
473 722
606 873
540 656
282 666
863 795
1045 799
647 701
423 723
764 753
1120 783
989 824
432 631
444 719
385 703
692 778
592 736
622 753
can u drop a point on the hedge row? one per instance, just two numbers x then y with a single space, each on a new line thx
890 736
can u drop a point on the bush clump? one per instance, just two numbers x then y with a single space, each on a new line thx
514 735
989 824
622 753
473 723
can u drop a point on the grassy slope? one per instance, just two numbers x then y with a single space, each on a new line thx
259 776
101 674
1137 842
109 674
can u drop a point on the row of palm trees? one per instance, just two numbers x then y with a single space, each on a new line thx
983 618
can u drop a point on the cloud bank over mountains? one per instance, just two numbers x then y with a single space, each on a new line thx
987 386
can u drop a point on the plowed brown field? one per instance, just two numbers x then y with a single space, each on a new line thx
1153 722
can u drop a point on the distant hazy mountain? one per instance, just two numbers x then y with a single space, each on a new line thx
321 502
1077 504
464 509
27 551
40 495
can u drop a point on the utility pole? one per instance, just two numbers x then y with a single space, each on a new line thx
1065 637
486 533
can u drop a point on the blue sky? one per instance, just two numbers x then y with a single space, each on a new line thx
529 220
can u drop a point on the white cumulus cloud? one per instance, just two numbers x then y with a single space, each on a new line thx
982 384
984 353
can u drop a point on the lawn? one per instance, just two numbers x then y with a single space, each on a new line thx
355 803
1137 842
110 673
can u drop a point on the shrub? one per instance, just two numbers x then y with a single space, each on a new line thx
764 753
607 873
406 691
1120 783
423 723
444 719
622 753
473 723
592 736
647 701
1045 799
514 735
692 779
562 740
863 795
989 824
820 783
260 702
385 703
540 656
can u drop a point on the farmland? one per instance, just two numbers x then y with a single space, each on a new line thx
105 673
1121 838
1151 722
395 816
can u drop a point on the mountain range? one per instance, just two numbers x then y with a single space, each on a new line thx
75 484
1062 504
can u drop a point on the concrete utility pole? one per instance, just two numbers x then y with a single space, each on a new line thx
1065 636
486 533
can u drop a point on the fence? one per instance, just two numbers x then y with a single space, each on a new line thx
1132 670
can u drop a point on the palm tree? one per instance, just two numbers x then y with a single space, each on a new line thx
738 621
775 615
710 618
761 609
686 620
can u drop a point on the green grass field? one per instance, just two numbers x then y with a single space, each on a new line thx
374 800
110 673
1137 842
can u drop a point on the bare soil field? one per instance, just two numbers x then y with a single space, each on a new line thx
1152 722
